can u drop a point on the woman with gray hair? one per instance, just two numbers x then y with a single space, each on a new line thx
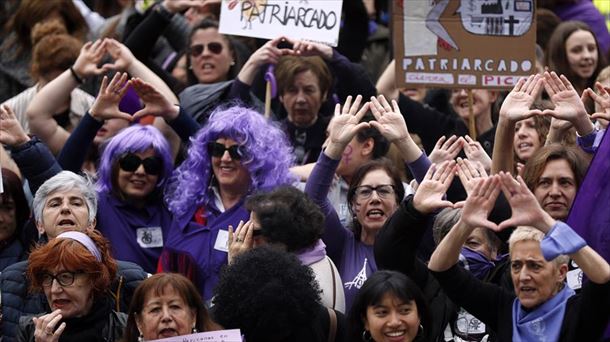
63 203
542 308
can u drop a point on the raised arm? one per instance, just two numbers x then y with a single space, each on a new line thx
474 214
56 93
515 107
33 158
568 105
391 124
386 84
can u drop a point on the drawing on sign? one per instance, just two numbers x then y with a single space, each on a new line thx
496 17
484 17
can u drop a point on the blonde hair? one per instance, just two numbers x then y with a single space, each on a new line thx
525 233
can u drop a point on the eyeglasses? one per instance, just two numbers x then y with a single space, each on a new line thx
218 150
383 191
64 278
130 162
197 49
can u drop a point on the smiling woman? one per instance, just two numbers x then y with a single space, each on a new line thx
74 271
389 307
236 153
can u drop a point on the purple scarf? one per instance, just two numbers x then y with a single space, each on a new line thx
544 322
312 254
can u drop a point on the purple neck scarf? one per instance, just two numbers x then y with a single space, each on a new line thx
312 254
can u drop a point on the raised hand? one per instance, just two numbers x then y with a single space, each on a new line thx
517 104
568 105
469 172
44 327
240 240
306 48
475 152
106 105
526 211
480 202
446 149
266 54
155 103
344 126
90 56
11 132
602 101
389 121
122 56
429 195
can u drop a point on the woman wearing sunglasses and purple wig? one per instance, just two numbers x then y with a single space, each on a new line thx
235 154
133 171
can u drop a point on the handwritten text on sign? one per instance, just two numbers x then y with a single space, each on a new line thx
233 335
316 20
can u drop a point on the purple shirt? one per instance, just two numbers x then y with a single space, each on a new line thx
200 250
136 235
355 260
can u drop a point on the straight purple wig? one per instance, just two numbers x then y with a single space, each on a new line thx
135 138
267 158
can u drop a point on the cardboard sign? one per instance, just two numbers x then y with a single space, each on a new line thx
233 335
465 43
314 20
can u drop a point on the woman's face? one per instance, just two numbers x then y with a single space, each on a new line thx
535 279
372 208
229 172
73 300
392 320
63 211
8 220
139 183
526 140
209 64
556 188
110 128
581 51
165 315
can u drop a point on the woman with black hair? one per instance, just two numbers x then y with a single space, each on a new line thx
389 306
271 296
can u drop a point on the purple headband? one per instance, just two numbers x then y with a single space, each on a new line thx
84 240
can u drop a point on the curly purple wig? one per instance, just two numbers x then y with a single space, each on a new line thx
136 138
268 157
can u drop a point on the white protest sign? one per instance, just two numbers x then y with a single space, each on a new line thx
233 335
315 20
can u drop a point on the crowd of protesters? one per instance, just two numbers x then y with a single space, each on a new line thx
148 191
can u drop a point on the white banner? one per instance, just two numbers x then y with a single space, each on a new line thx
314 20
233 335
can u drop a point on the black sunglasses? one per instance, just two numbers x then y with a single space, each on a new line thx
197 49
218 150
130 162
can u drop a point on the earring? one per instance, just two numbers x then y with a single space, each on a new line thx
366 336
141 338
420 331
194 330
232 63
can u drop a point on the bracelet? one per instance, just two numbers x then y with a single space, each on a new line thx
76 77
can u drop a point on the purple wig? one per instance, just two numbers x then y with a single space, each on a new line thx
135 138
268 157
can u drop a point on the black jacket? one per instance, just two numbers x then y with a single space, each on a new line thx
17 301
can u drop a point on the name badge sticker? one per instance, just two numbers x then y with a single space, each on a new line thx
222 241
150 237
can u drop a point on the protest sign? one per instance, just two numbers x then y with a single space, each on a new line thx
315 20
233 335
465 43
